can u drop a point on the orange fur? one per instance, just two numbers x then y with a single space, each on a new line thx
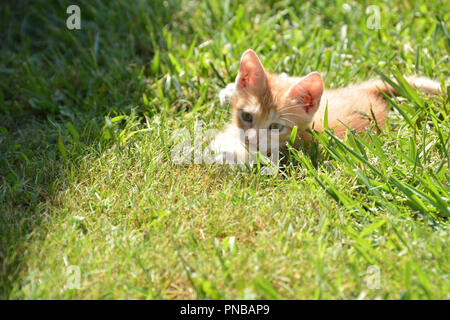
301 102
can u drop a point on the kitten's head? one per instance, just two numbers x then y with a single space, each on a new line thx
277 103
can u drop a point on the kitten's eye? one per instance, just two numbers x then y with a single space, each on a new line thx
276 126
247 117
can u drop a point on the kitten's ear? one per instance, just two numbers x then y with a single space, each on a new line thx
252 76
307 92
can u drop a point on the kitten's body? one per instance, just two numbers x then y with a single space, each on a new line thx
261 100
356 105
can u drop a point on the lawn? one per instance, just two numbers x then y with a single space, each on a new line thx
93 207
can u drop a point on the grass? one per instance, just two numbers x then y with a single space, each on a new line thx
88 188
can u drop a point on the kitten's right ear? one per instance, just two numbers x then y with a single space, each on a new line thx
252 76
307 92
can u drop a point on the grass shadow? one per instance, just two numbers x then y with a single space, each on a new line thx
57 83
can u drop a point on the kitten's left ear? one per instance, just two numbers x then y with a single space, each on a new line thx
307 92
252 76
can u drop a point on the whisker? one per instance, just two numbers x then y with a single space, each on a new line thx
290 114
289 107
288 120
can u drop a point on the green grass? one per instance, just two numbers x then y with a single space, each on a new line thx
86 177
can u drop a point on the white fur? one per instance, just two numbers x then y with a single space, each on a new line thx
426 85
226 94
228 147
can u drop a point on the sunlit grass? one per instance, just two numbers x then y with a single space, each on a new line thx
86 177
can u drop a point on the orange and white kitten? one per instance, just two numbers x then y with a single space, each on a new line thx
261 100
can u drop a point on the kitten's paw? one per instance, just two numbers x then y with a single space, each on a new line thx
231 157
427 85
226 94
228 148
229 154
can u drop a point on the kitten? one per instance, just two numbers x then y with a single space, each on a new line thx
261 100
